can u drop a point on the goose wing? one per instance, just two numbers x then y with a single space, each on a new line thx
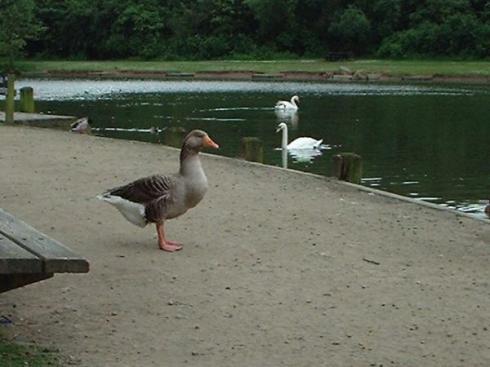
153 192
145 189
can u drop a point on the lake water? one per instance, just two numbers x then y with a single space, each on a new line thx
428 142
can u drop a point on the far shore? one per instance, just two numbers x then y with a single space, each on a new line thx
474 72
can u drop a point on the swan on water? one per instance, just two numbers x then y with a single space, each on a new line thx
285 105
298 143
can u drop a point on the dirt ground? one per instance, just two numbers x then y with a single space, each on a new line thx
279 268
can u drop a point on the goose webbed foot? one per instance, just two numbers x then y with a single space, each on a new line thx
164 244
174 243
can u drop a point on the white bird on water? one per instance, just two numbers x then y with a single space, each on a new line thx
285 105
298 143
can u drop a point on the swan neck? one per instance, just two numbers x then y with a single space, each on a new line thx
284 144
293 102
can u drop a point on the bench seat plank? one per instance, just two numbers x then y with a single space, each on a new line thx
56 257
14 259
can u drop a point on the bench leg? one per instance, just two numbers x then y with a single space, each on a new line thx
12 281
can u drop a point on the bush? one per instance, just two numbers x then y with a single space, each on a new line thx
391 48
460 35
350 31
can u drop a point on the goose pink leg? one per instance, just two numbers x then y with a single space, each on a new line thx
164 244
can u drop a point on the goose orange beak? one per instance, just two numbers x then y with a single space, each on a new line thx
208 143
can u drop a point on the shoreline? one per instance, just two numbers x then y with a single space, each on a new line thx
289 76
46 121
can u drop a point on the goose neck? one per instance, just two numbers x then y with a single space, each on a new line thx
189 161
191 166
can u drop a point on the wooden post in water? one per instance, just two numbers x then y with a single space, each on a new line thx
9 101
174 136
348 167
27 100
252 149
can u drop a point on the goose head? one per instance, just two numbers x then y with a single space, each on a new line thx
194 142
198 139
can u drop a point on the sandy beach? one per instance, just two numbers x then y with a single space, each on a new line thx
279 268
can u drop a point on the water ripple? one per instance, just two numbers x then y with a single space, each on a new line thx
49 89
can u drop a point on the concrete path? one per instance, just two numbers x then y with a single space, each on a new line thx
41 120
279 268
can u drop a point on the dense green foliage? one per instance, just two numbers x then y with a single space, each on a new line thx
17 25
208 29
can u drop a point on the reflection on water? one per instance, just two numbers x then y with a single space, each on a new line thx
150 130
479 209
106 89
428 142
299 155
284 158
214 119
304 155
289 117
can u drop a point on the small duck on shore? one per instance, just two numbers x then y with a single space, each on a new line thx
81 126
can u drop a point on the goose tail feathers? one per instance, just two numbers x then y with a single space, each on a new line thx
133 212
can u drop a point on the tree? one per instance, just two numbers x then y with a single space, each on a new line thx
17 25
209 29
385 16
276 20
350 31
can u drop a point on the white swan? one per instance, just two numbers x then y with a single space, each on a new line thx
285 105
298 143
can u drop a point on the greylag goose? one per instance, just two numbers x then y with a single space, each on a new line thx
157 198
286 105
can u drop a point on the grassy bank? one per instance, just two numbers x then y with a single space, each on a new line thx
475 69
15 355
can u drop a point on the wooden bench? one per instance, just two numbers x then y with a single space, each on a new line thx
28 256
